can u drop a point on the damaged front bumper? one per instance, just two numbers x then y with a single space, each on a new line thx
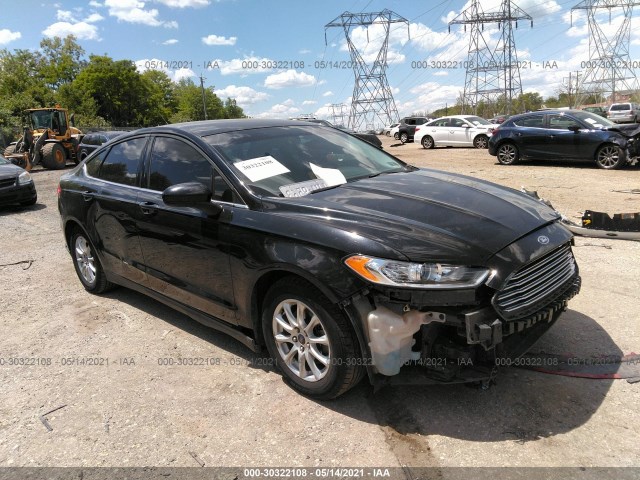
424 338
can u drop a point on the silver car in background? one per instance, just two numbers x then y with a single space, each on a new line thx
624 112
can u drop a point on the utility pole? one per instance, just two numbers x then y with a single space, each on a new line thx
372 101
492 70
609 69
204 102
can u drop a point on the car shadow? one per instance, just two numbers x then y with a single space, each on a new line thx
11 209
521 406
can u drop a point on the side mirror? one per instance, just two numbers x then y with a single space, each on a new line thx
574 128
186 194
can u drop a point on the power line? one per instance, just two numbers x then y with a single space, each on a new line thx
609 69
492 70
372 100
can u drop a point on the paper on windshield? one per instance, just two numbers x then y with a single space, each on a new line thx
301 189
593 122
332 176
256 169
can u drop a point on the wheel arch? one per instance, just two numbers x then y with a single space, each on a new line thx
268 278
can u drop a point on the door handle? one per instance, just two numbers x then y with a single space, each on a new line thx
148 208
88 196
552 136
519 134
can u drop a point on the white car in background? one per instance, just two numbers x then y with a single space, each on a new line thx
394 132
455 131
389 128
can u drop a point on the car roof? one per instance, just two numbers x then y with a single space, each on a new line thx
545 112
204 128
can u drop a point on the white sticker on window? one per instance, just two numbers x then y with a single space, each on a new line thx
332 176
301 189
257 169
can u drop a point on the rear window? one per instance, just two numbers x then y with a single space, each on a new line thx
620 107
534 121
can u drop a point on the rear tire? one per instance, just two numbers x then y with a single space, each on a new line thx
427 142
396 136
508 154
610 157
87 265
310 340
53 156
404 137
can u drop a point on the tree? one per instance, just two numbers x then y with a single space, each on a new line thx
161 99
61 60
118 89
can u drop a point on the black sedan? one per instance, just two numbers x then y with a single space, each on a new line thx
16 185
561 135
337 257
93 140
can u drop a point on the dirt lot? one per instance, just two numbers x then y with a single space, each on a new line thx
136 411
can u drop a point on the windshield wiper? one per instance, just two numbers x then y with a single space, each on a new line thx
326 188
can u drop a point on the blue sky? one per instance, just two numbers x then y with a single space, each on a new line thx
234 35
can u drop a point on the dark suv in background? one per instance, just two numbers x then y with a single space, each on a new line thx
408 127
93 140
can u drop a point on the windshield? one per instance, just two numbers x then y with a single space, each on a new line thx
295 161
477 121
620 106
41 119
596 121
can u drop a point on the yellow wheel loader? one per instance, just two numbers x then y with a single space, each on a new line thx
49 138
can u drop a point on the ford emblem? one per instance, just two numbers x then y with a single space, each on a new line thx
543 240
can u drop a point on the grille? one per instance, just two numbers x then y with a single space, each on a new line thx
536 284
7 182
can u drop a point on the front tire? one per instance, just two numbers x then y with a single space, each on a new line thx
481 141
404 137
53 156
87 264
610 157
310 339
508 154
427 142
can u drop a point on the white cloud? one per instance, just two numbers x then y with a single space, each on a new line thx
94 17
171 41
280 110
81 30
184 3
7 36
219 40
65 16
369 40
182 73
327 94
243 95
441 73
309 102
132 11
289 78
304 51
95 4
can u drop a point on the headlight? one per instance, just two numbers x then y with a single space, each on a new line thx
416 275
24 178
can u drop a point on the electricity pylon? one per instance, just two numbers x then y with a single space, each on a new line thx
609 70
372 101
492 69
338 113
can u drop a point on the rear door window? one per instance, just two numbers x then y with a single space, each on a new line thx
534 121
123 161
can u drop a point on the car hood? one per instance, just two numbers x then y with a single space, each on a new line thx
425 214
10 170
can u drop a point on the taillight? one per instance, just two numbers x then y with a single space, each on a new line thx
417 128
59 190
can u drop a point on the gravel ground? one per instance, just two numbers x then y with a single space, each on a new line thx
135 411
